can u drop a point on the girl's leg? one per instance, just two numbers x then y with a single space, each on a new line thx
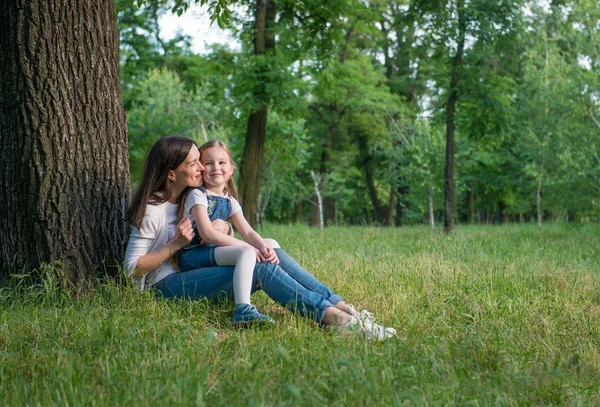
298 273
244 260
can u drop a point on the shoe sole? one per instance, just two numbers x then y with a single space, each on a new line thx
257 322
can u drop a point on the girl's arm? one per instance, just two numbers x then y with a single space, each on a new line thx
149 261
208 233
251 236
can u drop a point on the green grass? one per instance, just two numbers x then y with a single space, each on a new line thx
503 315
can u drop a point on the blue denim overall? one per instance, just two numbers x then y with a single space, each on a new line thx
195 254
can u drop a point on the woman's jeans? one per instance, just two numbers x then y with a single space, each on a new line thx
288 284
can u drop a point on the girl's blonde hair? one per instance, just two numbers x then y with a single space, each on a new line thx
230 187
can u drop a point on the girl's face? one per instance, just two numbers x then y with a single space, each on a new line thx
217 168
189 172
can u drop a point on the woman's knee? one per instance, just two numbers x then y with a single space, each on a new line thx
272 243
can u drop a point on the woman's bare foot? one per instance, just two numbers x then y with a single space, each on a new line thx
336 317
347 308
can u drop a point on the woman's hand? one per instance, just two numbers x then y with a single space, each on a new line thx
149 261
221 226
184 233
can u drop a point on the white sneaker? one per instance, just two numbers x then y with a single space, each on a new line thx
369 318
366 326
351 310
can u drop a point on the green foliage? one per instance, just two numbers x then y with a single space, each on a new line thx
286 155
218 9
163 107
492 315
358 92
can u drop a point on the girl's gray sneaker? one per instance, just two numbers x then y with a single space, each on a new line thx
247 314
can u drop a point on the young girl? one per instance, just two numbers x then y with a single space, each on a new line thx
217 200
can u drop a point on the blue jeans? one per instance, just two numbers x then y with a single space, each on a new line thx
298 273
197 257
215 283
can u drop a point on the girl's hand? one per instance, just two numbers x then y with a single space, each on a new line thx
184 233
258 255
267 254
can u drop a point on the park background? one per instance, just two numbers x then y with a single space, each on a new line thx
362 95
499 307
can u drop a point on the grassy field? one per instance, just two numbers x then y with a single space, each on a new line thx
503 315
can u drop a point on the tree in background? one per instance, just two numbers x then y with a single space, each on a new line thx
252 162
368 84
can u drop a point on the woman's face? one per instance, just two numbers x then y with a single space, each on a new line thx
189 172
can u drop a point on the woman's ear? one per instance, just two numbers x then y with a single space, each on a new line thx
171 176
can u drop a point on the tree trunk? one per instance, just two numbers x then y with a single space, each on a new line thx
402 202
325 169
264 204
252 163
319 200
389 221
251 171
314 213
366 163
63 138
538 202
452 98
298 217
430 199
503 213
470 203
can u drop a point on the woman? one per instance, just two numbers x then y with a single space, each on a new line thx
172 165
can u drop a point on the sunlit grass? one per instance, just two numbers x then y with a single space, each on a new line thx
503 315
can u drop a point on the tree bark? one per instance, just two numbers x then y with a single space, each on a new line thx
252 163
430 200
298 213
319 200
325 168
389 220
402 202
470 202
366 161
538 203
452 98
63 138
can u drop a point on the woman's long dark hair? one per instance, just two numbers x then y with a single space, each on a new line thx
165 155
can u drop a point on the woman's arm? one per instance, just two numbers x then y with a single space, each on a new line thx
149 261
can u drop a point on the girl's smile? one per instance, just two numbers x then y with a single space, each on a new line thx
217 169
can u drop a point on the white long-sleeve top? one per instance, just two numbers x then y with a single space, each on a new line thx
158 227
